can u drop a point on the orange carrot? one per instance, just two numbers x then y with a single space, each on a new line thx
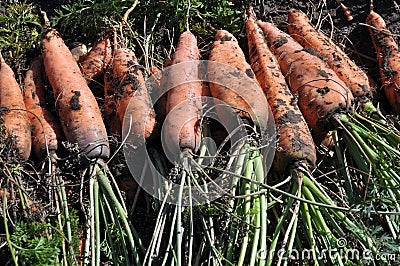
301 29
295 142
111 119
388 55
77 108
184 100
98 58
8 195
130 89
155 82
15 117
226 51
46 130
321 94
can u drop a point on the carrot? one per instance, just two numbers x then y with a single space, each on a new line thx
46 130
77 108
111 119
184 100
98 58
301 29
388 56
155 82
8 195
15 118
131 90
244 93
321 94
295 142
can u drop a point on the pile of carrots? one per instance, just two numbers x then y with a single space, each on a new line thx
314 91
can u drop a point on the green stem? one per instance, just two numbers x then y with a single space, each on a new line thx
108 230
278 228
106 184
366 240
179 227
256 236
92 221
307 217
171 236
246 208
259 171
97 219
9 243
291 240
240 163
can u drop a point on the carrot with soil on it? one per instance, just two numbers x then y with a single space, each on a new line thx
388 55
322 96
14 112
46 130
295 142
184 100
130 90
97 59
155 80
79 113
111 119
182 134
326 104
232 81
295 154
245 97
301 29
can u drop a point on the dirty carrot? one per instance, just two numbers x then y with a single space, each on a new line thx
321 94
244 97
155 80
97 59
184 100
111 119
130 90
295 142
77 107
46 130
388 56
13 112
301 29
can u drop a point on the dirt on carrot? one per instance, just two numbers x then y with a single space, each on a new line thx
46 130
294 142
14 114
388 58
77 107
321 94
